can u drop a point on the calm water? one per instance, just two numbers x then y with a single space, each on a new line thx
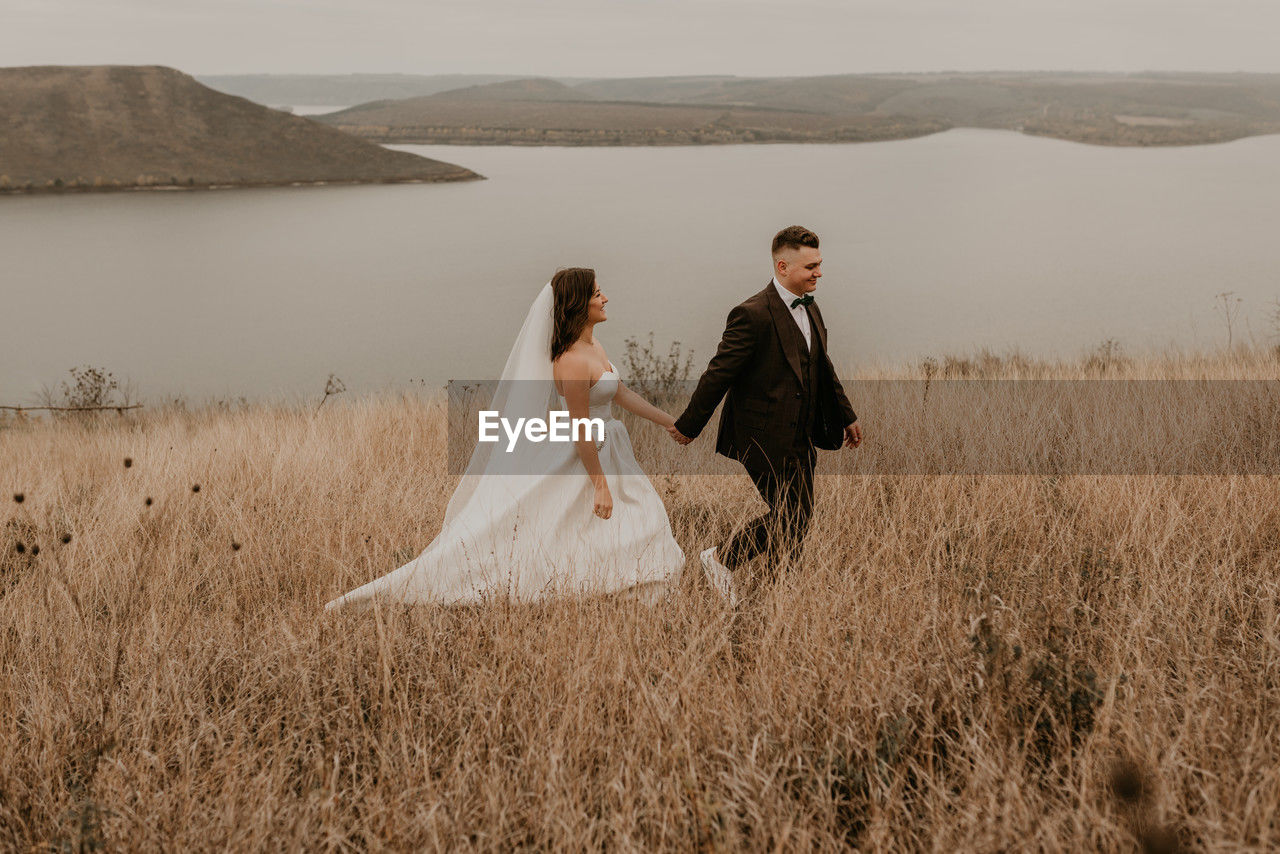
949 243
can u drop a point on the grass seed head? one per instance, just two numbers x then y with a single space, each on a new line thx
1128 782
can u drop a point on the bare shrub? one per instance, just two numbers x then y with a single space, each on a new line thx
90 387
1108 356
658 377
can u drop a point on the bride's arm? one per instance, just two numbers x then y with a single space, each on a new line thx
634 403
574 377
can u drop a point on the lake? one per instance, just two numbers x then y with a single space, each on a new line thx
944 244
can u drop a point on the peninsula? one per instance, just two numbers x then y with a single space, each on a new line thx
148 127
1107 109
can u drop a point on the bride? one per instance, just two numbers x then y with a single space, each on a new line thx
549 518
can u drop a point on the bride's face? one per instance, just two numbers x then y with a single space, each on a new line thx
595 308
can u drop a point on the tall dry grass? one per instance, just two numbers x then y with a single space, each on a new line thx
961 662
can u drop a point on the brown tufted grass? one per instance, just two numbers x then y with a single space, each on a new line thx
989 663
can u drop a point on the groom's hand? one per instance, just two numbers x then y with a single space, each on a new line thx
852 435
678 436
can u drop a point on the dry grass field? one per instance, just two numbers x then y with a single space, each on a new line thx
991 663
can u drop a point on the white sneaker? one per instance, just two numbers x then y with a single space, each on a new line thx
720 577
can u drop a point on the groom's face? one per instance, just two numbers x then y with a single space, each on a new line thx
798 269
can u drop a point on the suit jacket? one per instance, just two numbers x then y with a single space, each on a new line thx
759 366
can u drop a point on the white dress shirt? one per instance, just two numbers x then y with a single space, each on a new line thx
798 313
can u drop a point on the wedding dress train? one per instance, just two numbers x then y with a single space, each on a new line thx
529 536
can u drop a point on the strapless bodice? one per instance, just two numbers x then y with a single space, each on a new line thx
600 396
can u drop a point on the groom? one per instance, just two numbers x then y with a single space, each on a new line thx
784 400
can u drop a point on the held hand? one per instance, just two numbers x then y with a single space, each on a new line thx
678 436
604 502
852 435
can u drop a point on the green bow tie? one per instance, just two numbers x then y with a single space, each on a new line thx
807 299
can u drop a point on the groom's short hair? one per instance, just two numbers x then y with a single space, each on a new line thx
793 237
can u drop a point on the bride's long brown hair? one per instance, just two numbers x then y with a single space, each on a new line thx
572 289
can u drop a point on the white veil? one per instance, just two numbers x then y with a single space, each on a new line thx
519 522
526 390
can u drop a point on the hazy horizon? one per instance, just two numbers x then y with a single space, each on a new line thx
873 73
643 38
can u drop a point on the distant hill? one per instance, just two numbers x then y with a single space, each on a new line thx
847 94
527 89
544 112
1110 109
668 90
341 90
117 127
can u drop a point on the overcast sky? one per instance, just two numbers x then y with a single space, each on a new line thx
609 38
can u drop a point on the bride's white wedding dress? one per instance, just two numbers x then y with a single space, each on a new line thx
530 536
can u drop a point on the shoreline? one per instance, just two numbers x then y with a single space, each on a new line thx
651 138
236 185
588 139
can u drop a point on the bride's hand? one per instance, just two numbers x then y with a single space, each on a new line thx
604 502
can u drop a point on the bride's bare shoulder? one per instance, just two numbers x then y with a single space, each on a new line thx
572 365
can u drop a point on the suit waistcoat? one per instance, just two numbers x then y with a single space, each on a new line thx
810 359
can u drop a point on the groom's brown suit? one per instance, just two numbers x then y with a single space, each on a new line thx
784 399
